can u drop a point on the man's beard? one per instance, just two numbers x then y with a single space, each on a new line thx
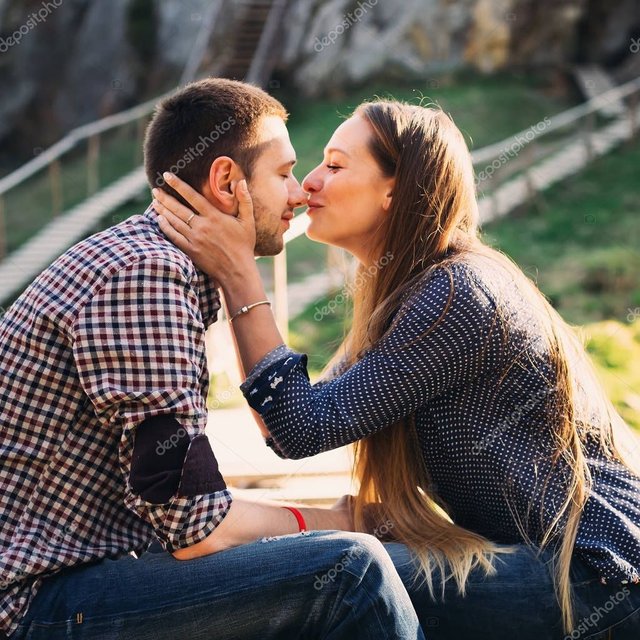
268 244
269 241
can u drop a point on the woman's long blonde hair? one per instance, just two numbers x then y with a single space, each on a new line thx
433 222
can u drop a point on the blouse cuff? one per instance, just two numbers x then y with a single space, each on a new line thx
279 353
268 384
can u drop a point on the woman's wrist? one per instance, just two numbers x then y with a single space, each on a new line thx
242 287
318 518
242 270
245 296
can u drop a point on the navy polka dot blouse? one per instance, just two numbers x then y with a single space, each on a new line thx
485 435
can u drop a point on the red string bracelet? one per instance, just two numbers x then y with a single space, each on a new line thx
301 523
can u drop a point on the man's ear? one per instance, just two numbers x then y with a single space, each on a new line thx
224 175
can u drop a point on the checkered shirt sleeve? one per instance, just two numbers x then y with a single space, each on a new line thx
139 349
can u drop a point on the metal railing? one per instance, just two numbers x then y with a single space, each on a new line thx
583 127
23 262
577 123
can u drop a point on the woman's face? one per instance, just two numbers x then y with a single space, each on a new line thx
349 195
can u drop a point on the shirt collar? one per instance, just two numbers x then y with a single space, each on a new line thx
206 287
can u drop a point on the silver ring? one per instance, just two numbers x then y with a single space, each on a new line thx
191 217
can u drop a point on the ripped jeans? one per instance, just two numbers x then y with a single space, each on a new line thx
314 585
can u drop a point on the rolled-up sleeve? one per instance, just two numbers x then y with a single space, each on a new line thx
445 335
139 350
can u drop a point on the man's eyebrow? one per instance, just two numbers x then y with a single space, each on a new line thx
289 164
330 149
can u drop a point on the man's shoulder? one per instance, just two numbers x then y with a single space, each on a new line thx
130 242
87 267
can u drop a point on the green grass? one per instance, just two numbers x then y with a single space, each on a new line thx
615 349
323 336
581 240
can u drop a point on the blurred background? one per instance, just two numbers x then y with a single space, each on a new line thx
547 93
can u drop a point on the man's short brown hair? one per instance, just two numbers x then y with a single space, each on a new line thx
204 120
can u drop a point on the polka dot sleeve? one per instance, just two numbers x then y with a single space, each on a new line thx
444 335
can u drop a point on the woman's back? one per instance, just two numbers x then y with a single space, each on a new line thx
488 441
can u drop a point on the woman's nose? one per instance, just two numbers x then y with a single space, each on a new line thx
312 181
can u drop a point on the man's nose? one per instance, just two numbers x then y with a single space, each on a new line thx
297 196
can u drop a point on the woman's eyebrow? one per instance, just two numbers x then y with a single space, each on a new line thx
332 149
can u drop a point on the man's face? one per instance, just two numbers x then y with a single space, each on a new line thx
273 187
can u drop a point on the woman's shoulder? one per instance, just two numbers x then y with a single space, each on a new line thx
459 282
478 290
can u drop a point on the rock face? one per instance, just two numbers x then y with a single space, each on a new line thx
332 43
67 62
342 42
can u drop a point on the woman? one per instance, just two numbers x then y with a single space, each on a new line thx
482 436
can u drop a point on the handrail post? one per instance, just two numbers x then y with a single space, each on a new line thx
495 181
529 161
280 293
3 229
55 179
633 115
138 151
588 135
93 159
335 260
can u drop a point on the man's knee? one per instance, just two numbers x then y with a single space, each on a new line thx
356 554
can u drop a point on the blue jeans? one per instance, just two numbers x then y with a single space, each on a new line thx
518 602
315 585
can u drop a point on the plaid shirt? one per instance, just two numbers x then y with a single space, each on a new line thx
108 339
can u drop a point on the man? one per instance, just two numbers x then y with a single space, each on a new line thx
102 406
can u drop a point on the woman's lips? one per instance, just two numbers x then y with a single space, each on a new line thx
313 207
